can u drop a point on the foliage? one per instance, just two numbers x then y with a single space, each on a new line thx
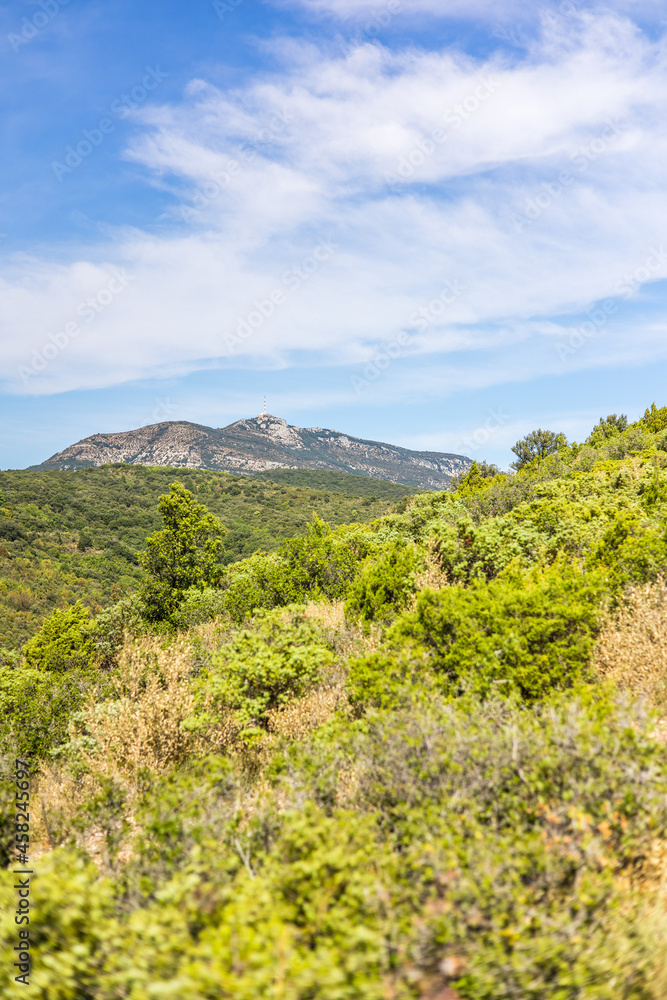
473 851
185 553
263 669
63 641
324 563
606 428
537 444
527 633
47 513
36 707
475 478
345 483
654 419
403 758
384 585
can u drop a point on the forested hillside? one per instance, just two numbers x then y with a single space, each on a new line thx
75 535
420 757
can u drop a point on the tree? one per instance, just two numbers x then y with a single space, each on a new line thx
537 444
63 642
184 553
478 476
607 427
655 419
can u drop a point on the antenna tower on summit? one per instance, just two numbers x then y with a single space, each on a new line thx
265 405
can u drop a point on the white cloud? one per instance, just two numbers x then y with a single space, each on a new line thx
265 180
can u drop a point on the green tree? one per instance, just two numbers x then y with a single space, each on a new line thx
384 586
63 641
184 553
606 428
537 444
655 419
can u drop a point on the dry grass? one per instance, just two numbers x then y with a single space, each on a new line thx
632 648
330 614
142 727
433 576
301 717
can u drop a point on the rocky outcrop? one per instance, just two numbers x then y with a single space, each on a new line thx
260 444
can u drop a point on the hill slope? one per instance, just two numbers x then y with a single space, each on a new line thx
261 444
69 535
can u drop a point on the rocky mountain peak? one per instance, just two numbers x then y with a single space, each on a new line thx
259 444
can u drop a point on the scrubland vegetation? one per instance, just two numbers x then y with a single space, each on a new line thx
74 535
420 757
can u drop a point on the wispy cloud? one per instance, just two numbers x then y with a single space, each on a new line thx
310 154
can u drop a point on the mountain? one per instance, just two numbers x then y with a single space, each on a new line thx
261 444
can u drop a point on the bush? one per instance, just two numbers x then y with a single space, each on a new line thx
108 630
384 585
527 633
632 551
36 708
199 606
472 551
324 562
63 642
262 670
654 419
259 583
537 444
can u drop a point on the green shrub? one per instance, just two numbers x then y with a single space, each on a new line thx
36 707
199 606
537 444
108 630
472 551
606 428
258 583
384 585
325 562
63 642
654 419
632 550
528 633
186 551
265 668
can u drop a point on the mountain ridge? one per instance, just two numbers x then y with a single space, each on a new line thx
260 444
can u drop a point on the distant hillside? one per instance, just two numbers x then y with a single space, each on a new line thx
70 535
261 444
339 482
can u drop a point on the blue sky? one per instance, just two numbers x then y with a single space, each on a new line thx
431 222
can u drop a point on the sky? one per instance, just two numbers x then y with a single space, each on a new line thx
435 223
